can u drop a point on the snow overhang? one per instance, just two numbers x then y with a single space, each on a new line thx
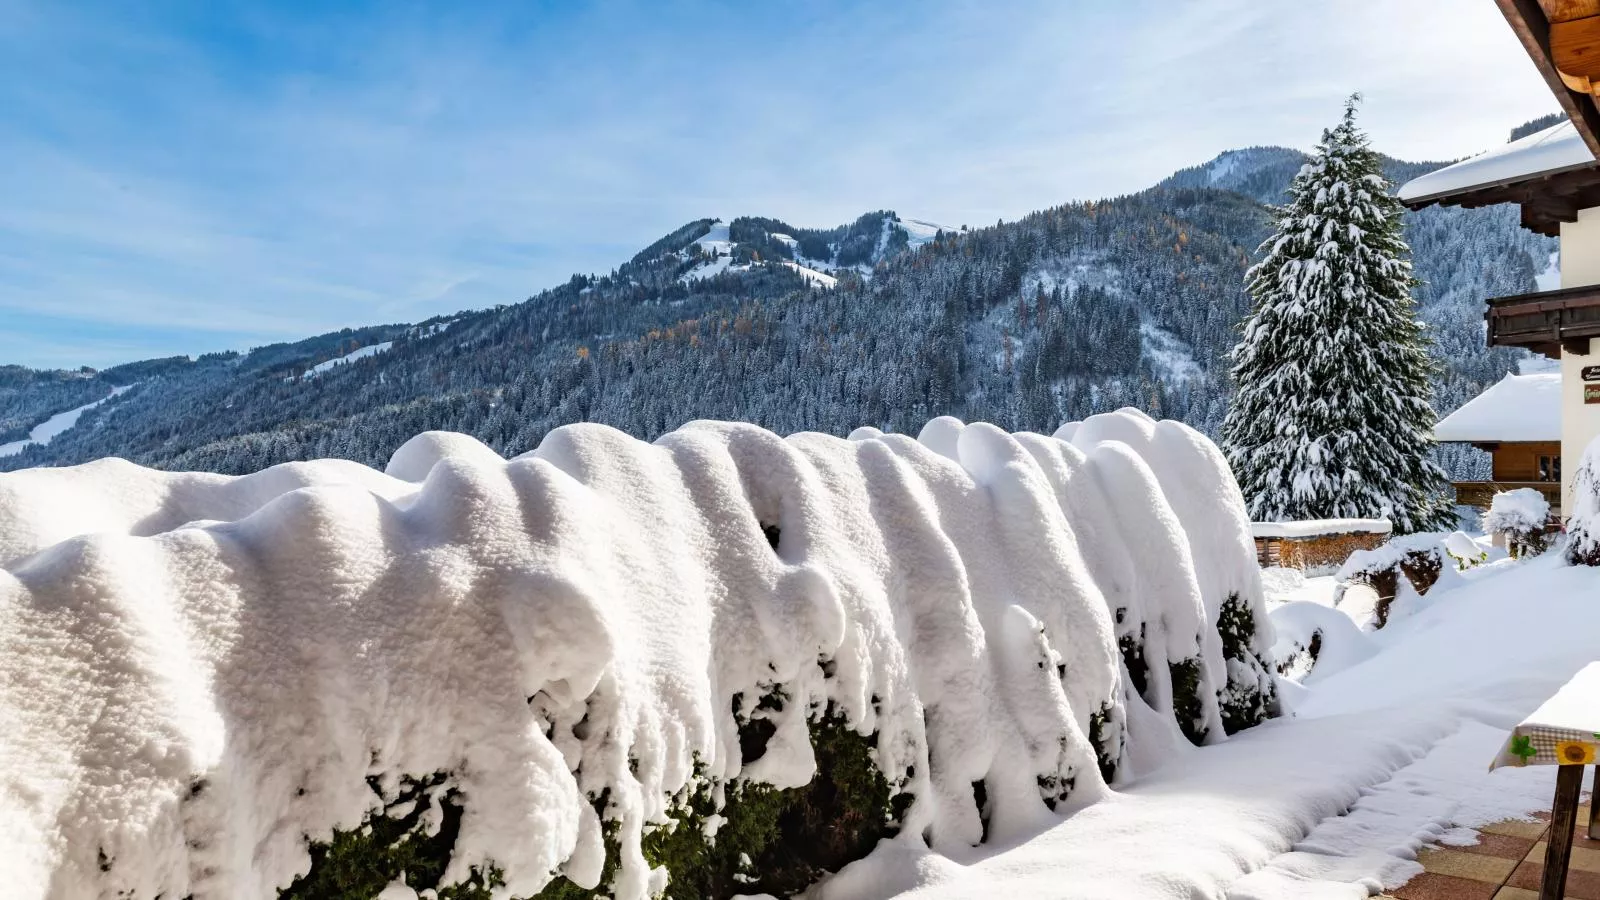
1556 150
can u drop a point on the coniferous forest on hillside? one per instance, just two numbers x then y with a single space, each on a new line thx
1070 311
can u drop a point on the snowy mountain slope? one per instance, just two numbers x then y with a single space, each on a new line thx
1263 173
46 431
812 275
914 326
1173 359
346 359
1260 173
198 672
818 254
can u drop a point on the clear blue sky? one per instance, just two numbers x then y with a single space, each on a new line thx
184 177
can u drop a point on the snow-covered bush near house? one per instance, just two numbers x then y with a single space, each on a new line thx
1583 530
1520 515
726 658
1314 640
1409 566
1394 552
1463 550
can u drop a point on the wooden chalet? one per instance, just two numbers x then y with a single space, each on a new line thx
1554 177
1518 422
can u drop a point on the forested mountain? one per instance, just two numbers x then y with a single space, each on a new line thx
886 321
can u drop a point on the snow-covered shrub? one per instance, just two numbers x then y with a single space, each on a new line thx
723 662
1211 518
1583 529
1316 639
1463 551
1521 516
1418 559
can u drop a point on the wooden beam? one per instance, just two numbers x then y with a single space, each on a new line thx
1575 48
1576 346
1567 10
1551 211
1529 22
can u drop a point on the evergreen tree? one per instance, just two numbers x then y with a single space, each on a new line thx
1332 416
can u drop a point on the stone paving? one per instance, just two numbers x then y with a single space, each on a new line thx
1505 864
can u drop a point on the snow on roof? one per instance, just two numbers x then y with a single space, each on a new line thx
1556 149
1320 528
1518 408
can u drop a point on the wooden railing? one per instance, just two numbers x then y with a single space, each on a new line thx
1481 493
1546 322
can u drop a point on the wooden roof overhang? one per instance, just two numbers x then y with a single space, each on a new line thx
1547 199
1562 37
1546 322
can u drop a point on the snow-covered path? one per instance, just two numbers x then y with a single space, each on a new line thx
1378 759
1188 831
1438 797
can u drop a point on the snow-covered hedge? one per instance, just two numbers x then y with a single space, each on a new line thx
1583 529
1520 515
725 661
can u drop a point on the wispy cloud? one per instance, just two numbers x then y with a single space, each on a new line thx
181 178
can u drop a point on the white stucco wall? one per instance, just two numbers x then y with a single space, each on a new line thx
1580 422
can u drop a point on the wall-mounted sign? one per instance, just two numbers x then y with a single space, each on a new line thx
1590 373
1591 393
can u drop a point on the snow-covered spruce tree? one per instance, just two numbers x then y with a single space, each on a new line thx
1332 416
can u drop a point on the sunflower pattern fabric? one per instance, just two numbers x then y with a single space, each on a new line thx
1552 736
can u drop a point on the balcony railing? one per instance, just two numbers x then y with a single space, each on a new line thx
1546 322
1481 493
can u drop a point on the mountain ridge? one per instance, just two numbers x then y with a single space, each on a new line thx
1064 312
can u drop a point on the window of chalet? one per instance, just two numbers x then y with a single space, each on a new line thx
1549 468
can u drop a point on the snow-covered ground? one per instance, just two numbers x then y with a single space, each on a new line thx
198 670
46 431
717 247
919 232
1171 356
1389 749
816 278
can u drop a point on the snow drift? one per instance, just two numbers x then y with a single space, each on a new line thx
560 671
